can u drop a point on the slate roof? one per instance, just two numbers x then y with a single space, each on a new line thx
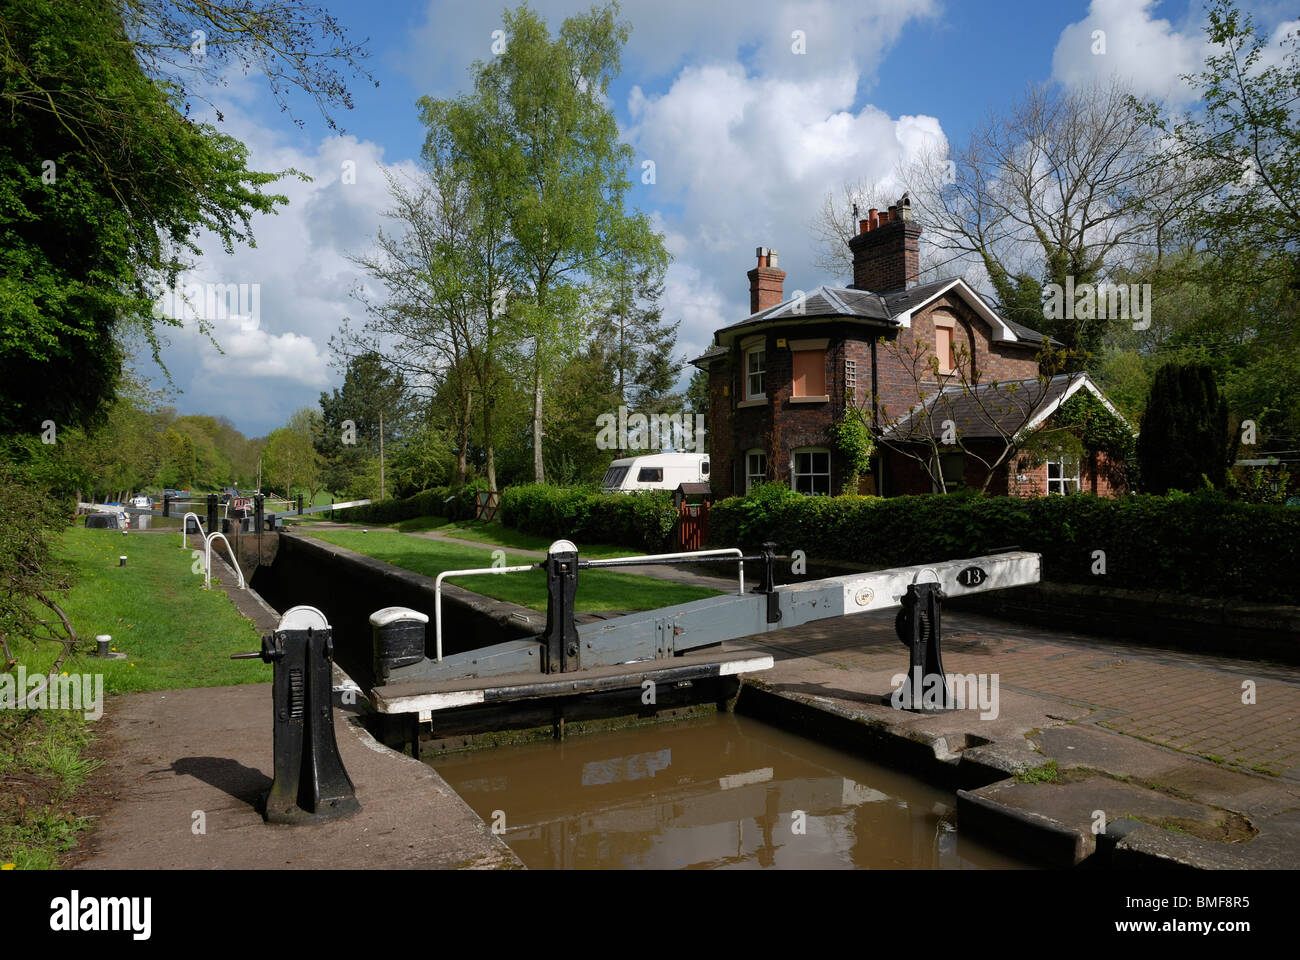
861 306
993 410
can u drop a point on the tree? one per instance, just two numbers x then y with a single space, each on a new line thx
31 575
291 459
1244 147
536 140
350 419
634 337
1183 443
1063 188
696 397
106 184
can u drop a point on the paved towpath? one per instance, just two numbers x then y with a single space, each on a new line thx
1186 702
1203 751
188 767
178 759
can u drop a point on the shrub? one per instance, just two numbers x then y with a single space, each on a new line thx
1184 439
455 503
643 520
1196 544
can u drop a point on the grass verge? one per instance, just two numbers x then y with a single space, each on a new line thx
175 634
598 590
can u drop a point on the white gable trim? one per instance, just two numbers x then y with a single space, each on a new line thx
1081 382
1001 329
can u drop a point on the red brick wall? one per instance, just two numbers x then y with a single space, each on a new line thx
886 258
1095 477
779 427
902 382
904 476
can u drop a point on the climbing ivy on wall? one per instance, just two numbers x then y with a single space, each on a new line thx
853 440
1099 430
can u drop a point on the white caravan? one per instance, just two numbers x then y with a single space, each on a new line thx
658 471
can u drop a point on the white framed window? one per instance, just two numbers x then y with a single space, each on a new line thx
810 471
756 373
1063 475
755 469
851 380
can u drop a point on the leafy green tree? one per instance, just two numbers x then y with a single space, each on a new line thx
349 435
1183 443
31 521
445 317
290 458
1245 147
180 465
635 338
106 183
537 140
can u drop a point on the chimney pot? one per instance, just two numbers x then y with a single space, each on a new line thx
766 282
864 226
885 260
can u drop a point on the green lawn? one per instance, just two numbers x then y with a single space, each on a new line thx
175 634
598 590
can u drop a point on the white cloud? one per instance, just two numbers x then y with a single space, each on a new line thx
669 33
1148 52
271 365
744 160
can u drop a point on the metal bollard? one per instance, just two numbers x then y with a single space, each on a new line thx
398 635
767 585
167 505
311 784
919 625
563 648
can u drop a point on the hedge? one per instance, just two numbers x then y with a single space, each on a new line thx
456 503
643 520
1200 544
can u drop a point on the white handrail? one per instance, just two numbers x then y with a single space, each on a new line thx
623 561
437 594
207 573
185 524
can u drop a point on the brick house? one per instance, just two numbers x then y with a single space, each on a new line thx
779 378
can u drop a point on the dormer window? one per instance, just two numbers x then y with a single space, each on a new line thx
756 373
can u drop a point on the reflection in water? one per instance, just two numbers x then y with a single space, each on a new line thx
722 791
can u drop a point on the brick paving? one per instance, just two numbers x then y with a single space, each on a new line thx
1186 702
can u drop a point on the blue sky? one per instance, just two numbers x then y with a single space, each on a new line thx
746 135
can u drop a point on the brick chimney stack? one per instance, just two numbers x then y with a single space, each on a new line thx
886 250
765 282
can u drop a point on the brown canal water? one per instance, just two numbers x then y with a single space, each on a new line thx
723 791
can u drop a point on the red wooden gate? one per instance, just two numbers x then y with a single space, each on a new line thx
694 526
